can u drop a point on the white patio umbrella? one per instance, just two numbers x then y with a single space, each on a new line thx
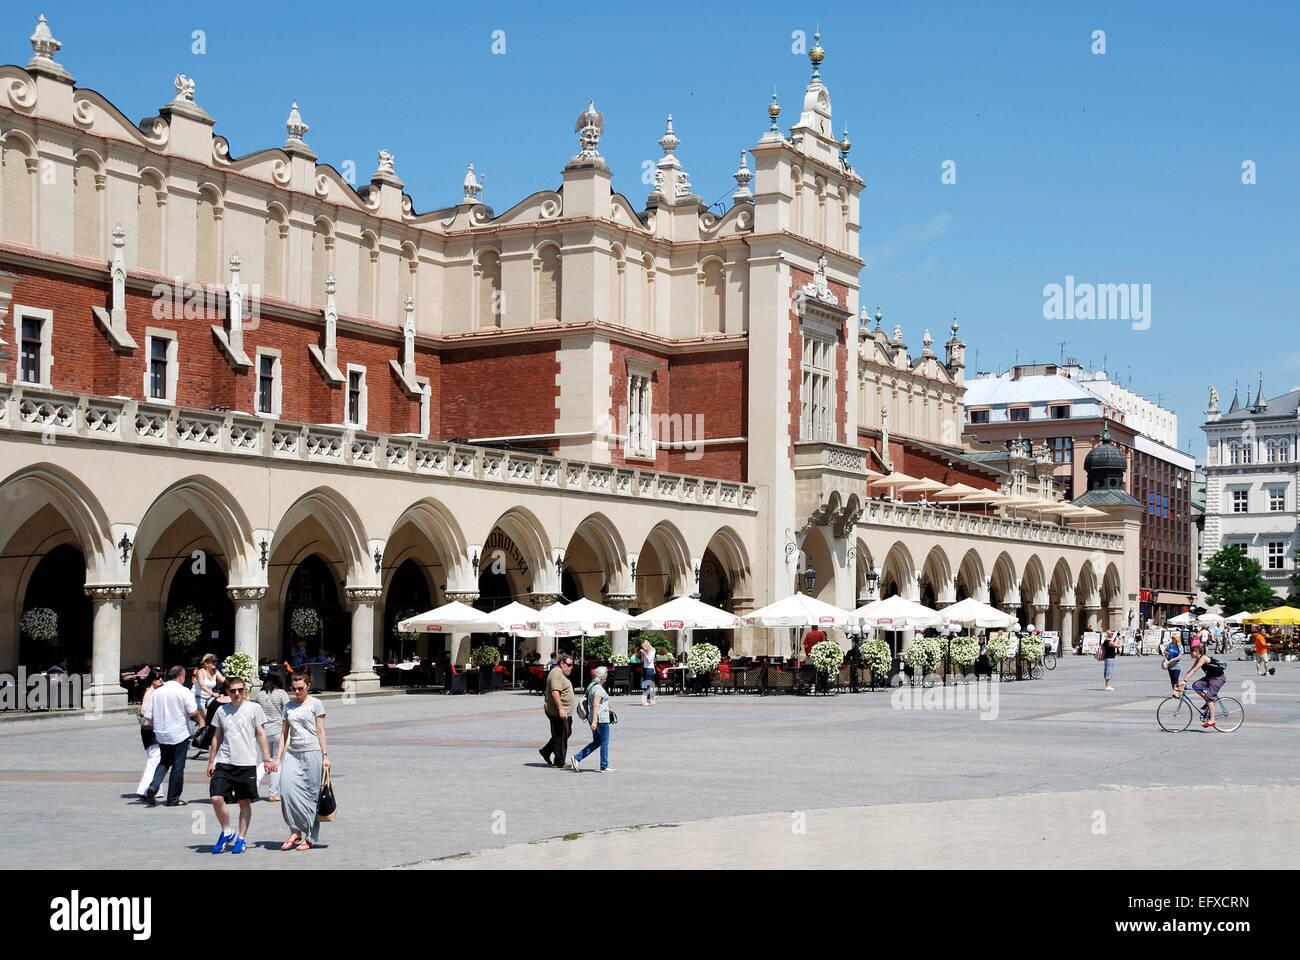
1184 619
799 610
517 620
897 613
972 612
585 617
454 617
687 613
1238 617
1210 619
893 481
955 492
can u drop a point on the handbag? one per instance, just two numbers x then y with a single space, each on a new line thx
326 808
145 722
203 739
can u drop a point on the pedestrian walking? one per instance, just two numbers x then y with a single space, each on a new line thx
598 715
273 700
303 758
170 708
558 706
232 770
1111 649
1261 654
151 749
1173 661
647 673
854 660
208 685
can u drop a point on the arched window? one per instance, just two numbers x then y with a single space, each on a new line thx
18 177
617 286
151 202
549 285
322 242
367 264
491 304
713 297
406 276
88 233
275 239
207 242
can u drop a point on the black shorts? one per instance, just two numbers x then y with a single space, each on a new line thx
233 783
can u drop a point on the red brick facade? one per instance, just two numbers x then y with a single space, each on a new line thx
499 390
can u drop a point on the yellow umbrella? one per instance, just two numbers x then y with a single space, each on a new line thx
1277 616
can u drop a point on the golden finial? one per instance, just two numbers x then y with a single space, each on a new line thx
817 54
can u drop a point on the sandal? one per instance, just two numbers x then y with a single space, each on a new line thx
291 842
305 845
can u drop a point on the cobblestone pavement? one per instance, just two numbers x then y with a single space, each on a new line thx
1018 780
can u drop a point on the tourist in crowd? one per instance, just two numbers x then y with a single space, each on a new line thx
207 682
1111 643
598 715
557 703
60 668
647 673
303 758
238 742
170 708
297 655
1261 653
151 750
272 699
1173 661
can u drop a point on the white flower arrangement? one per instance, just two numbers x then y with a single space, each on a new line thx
305 622
617 660
826 656
1031 648
703 659
998 647
878 658
241 665
965 651
923 655
40 623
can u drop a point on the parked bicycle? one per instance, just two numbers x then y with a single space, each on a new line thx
1175 714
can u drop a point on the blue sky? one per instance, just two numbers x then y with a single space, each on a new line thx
1117 168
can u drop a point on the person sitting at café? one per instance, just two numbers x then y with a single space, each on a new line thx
60 668
297 655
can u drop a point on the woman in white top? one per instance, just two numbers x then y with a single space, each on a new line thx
303 758
152 752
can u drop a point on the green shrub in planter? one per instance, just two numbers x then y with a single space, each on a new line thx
997 648
485 656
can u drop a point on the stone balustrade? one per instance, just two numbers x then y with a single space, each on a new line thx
55 415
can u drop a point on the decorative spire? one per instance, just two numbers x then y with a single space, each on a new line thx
1105 430
589 127
773 111
385 162
742 176
43 43
669 140
879 317
927 342
1236 398
1260 402
184 88
473 186
817 55
845 146
295 126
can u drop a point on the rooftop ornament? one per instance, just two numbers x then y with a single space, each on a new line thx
589 127
43 43
742 177
773 111
184 88
297 129
473 185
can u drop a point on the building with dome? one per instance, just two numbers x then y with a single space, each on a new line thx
237 385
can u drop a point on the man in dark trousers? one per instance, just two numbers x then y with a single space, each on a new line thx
558 705
854 660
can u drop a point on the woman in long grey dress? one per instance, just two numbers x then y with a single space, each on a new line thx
304 756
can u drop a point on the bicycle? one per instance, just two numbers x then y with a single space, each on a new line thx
1049 660
1175 714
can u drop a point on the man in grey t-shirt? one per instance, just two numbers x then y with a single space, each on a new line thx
236 740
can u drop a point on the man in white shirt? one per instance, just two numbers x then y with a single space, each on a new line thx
168 708
238 733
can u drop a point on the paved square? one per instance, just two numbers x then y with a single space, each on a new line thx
777 781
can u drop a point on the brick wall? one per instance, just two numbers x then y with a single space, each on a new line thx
493 391
710 391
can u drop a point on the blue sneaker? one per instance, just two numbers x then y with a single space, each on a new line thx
240 844
223 841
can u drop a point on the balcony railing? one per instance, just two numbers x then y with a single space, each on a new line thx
55 415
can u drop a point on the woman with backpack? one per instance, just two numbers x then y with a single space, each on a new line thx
1215 671
597 714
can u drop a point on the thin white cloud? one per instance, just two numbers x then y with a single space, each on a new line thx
908 238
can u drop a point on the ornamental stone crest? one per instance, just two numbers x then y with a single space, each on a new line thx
43 43
819 289
184 88
473 186
589 127
386 161
297 129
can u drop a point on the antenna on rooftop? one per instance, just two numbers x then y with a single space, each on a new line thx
1063 344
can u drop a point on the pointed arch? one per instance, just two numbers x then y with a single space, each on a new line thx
528 534
217 510
340 523
898 573
970 577
27 491
672 556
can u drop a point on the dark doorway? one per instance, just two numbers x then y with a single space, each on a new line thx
408 595
313 584
205 591
58 583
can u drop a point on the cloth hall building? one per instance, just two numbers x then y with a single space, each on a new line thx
233 381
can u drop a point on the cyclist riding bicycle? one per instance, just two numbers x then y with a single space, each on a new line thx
1208 688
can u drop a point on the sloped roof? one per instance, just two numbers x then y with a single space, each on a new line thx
1039 389
1279 407
1105 498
